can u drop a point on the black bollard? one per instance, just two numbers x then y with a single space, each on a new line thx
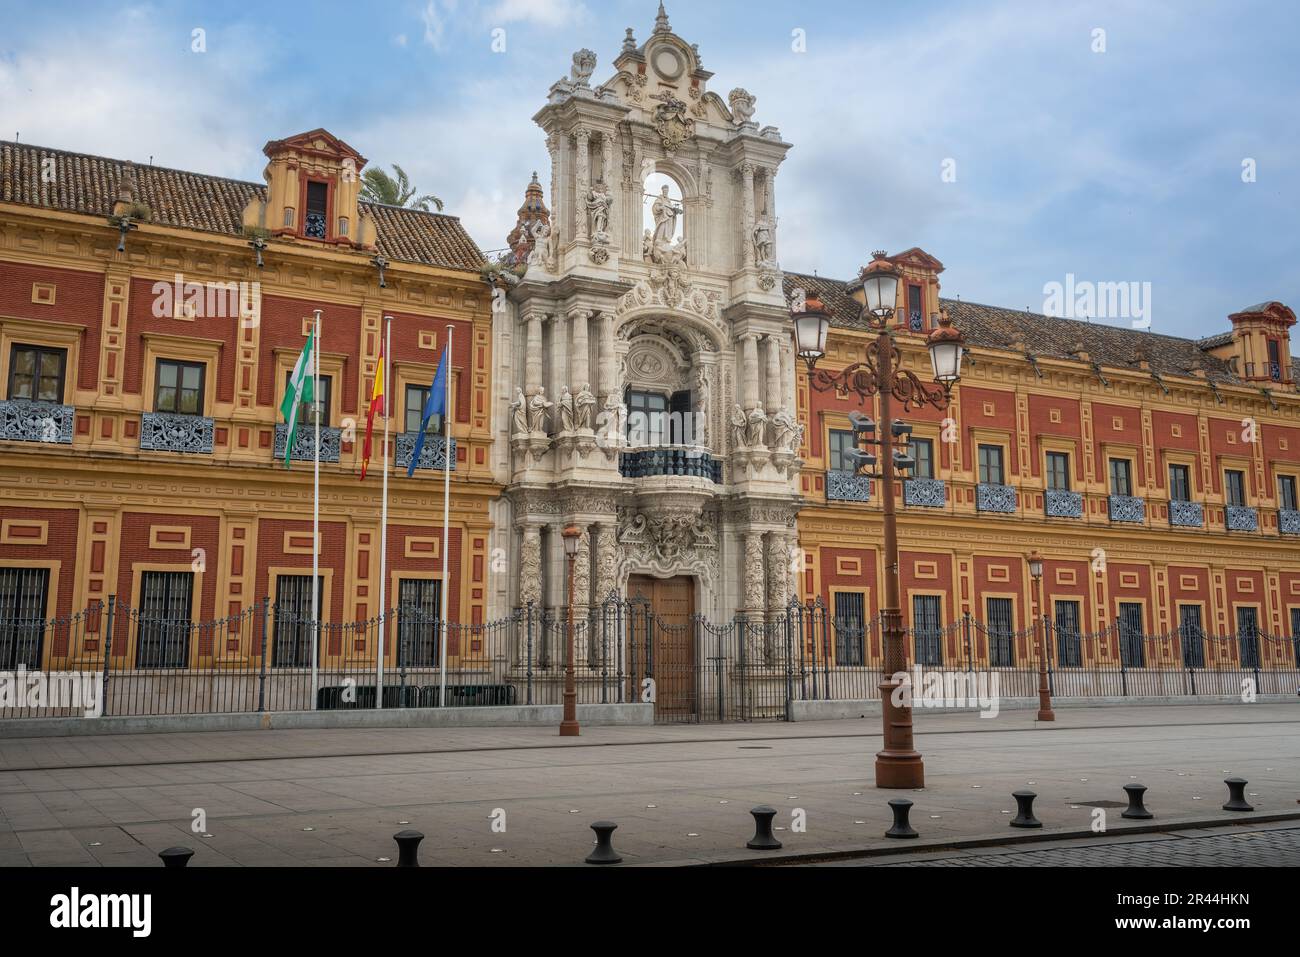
408 848
1137 811
901 829
1025 810
176 856
763 839
1237 795
604 852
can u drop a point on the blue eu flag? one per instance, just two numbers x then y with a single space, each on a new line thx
437 405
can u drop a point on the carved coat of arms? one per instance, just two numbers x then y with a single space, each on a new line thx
672 121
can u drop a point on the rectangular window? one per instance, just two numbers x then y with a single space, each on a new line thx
165 622
1132 635
1000 627
1286 492
1058 471
293 620
23 594
417 399
1274 361
841 444
1191 631
1180 483
1234 487
1121 477
317 211
680 427
1248 635
307 411
1295 636
991 470
419 620
927 627
923 452
850 628
179 387
36 373
1069 652
915 308
647 419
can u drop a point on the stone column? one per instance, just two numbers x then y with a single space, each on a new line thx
771 210
607 174
582 137
774 388
580 352
754 574
606 561
533 355
747 217
582 599
530 567
749 373
559 353
609 384
778 573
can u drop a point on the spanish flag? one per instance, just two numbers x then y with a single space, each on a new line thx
377 407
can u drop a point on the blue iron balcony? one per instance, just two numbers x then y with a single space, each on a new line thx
186 434
1126 508
996 498
926 493
1187 514
25 421
304 444
1288 522
847 487
1242 519
433 457
1062 503
676 461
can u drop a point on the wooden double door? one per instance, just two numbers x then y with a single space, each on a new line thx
664 634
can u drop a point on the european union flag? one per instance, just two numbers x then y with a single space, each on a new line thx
437 405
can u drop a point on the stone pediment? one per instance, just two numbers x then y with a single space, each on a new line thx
319 142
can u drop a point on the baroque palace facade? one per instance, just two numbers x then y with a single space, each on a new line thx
627 367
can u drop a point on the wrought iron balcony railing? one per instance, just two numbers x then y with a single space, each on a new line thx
25 421
1062 503
1187 514
997 498
304 444
1242 519
925 493
675 461
847 487
1126 508
433 457
186 434
315 225
1288 522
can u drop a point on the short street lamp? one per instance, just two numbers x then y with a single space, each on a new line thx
569 726
1045 712
899 764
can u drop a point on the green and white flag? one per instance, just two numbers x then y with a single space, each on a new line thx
302 388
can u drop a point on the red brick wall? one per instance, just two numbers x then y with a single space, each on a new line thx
282 328
61 546
135 548
398 562
79 299
141 320
407 328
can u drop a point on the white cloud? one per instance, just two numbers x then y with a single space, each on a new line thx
546 13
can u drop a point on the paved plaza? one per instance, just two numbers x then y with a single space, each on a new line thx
680 795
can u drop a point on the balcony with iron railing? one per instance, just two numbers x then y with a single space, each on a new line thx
22 420
1288 522
1128 509
1186 514
997 498
843 486
1241 518
670 461
1063 503
433 457
925 493
183 434
304 444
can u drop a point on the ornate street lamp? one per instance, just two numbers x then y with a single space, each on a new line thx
1045 712
569 725
898 765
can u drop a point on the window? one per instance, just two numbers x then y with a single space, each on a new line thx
842 443
293 620
647 414
927 626
163 638
419 619
680 427
317 210
1286 492
307 410
1058 472
417 398
1248 635
36 373
179 387
923 452
1234 487
915 309
1274 361
1191 631
1069 653
991 471
850 622
1295 636
23 594
1121 477
1180 483
1132 651
1000 627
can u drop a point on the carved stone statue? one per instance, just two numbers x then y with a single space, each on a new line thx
756 428
538 410
613 421
763 242
568 419
542 254
519 415
598 204
742 105
783 431
585 408
584 65
665 213
738 427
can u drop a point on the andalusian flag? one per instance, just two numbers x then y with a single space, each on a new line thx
376 408
302 388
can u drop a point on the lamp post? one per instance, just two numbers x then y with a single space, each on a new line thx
1045 712
569 726
898 764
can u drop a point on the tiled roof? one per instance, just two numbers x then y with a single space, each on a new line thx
1045 337
89 185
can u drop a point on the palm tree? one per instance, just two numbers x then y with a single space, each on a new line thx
378 187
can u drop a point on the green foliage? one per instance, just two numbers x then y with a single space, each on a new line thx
378 187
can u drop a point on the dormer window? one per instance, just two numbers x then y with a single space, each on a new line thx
915 309
1274 361
316 217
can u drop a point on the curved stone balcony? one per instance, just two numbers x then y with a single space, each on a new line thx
1187 514
22 420
670 462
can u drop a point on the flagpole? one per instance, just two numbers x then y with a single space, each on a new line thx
315 552
383 532
446 526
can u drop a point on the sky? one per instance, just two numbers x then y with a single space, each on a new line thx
1021 143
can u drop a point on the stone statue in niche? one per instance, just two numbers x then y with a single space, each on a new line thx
538 412
584 65
756 428
742 105
568 419
665 213
738 427
613 424
598 204
519 414
585 409
763 242
783 431
541 254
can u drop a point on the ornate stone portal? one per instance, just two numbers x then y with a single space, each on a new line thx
633 403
